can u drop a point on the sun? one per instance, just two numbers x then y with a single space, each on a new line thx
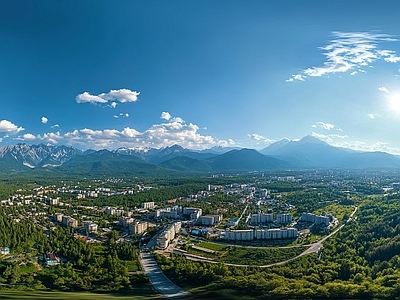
394 102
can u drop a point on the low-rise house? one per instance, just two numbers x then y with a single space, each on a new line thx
4 250
52 259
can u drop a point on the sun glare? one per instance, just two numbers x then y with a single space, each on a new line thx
394 102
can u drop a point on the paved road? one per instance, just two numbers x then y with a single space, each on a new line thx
159 281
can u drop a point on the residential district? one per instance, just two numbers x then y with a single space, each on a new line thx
245 213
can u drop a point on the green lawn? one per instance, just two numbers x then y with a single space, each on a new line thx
211 246
15 294
259 257
132 266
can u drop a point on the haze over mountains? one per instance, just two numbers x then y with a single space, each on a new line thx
307 153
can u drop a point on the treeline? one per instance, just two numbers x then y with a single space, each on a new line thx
19 234
157 195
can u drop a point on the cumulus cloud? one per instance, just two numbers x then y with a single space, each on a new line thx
113 96
348 51
325 126
383 89
363 146
329 138
260 139
44 120
165 115
373 116
296 77
121 115
173 131
343 141
9 128
29 137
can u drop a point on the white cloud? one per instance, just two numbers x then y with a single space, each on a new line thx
55 126
348 51
389 56
363 146
344 142
10 128
29 137
260 139
325 126
329 138
165 115
173 131
121 115
373 116
296 77
383 89
121 95
44 120
85 97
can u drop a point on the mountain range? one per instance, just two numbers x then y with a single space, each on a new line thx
307 153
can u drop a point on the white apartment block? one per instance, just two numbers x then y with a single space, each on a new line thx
209 219
69 221
264 193
193 212
138 227
309 217
261 218
89 226
277 233
113 211
239 235
53 201
261 234
58 217
284 218
168 235
125 221
148 205
168 213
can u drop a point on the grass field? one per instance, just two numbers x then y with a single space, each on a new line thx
39 295
258 257
211 246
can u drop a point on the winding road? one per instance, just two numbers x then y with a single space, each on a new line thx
159 281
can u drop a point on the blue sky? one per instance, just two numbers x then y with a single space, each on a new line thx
109 74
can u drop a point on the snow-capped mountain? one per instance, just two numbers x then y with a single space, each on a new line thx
38 155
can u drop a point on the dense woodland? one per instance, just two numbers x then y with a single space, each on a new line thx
86 266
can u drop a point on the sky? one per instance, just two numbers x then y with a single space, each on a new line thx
200 74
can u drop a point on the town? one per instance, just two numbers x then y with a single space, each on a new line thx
228 219
234 212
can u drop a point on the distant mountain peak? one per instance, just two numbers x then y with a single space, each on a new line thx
311 139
